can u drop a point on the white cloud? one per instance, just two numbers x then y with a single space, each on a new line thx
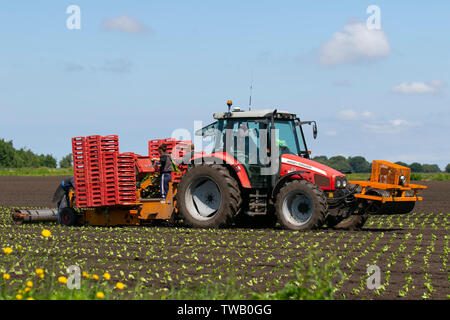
354 43
349 114
125 24
419 87
390 126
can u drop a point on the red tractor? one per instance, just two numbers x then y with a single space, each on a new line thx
259 172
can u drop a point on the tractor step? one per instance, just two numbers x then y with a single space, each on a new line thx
257 203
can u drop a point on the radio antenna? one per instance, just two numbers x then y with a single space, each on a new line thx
251 91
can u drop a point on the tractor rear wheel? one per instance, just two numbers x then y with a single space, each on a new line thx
208 197
301 205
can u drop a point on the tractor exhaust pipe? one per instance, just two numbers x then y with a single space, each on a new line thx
28 216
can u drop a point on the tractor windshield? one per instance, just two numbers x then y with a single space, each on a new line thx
290 138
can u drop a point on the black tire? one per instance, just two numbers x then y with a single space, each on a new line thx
68 216
308 197
354 222
229 197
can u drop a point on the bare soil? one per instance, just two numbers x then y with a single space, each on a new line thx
419 239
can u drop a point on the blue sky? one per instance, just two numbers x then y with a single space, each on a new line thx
141 69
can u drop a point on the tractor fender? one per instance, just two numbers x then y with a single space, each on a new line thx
224 158
279 184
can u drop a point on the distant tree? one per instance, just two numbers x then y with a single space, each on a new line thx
359 164
447 168
339 163
416 167
8 157
12 158
430 168
321 159
26 158
47 161
66 162
400 163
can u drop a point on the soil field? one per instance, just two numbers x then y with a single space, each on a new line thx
38 191
411 250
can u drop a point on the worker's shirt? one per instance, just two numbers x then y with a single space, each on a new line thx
165 163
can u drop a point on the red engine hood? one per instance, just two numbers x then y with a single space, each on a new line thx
309 165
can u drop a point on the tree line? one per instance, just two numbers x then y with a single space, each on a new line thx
24 158
359 164
10 157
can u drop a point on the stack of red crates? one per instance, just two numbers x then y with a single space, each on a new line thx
126 177
103 177
81 173
110 149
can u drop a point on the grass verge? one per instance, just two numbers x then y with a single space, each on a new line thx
37 172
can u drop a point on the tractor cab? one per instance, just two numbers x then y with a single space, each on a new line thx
256 138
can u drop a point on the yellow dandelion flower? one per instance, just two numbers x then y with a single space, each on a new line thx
41 276
30 298
120 286
62 280
107 276
20 291
39 271
27 289
95 277
6 276
19 297
30 284
7 250
85 275
100 295
46 233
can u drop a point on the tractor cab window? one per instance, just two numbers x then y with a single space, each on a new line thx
301 139
245 139
287 137
213 137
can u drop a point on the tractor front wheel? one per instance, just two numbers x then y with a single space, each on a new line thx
301 205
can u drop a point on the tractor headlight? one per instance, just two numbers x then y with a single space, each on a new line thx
338 182
402 180
344 183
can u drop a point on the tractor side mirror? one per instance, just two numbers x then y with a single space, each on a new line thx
314 130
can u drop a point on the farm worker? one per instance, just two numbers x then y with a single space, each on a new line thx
61 195
165 169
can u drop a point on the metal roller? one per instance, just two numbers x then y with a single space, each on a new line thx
40 215
388 208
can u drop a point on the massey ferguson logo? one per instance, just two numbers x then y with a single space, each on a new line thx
303 165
